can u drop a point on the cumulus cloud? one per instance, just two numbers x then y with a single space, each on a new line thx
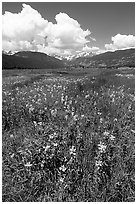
22 26
121 42
94 50
27 30
66 33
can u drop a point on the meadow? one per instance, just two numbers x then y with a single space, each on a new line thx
68 135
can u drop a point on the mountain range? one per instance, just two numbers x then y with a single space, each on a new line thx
37 60
28 59
119 58
73 57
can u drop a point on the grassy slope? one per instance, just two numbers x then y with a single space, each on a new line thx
69 137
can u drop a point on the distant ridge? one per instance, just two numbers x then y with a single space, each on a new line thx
30 60
108 59
38 60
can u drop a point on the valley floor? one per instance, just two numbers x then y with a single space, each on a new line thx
68 135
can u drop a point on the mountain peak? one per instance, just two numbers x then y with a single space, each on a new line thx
8 52
73 57
28 59
108 59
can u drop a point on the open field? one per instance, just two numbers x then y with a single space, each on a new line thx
68 135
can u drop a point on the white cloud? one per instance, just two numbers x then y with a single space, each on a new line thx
121 42
22 26
94 50
27 30
16 46
66 33
87 49
93 39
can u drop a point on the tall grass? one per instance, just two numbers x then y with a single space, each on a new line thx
75 145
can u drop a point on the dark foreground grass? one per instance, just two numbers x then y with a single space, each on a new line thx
69 139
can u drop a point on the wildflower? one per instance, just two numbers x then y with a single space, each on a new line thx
63 168
72 113
106 133
62 99
56 102
113 100
70 102
112 137
101 120
51 136
61 180
12 155
47 147
28 164
66 117
98 164
39 123
31 109
54 112
73 150
87 96
65 103
75 117
55 144
99 113
101 147
35 123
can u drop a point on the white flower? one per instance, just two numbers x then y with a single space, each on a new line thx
54 112
65 103
66 97
87 96
101 120
66 117
12 155
62 99
63 168
113 100
35 123
98 163
106 133
56 102
73 150
101 147
72 113
112 137
28 164
55 144
61 180
47 147
70 102
75 117
99 113
51 136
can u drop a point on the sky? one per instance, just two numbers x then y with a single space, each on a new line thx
68 28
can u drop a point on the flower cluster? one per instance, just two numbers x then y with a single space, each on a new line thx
68 138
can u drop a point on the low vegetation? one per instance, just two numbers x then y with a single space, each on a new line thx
69 137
